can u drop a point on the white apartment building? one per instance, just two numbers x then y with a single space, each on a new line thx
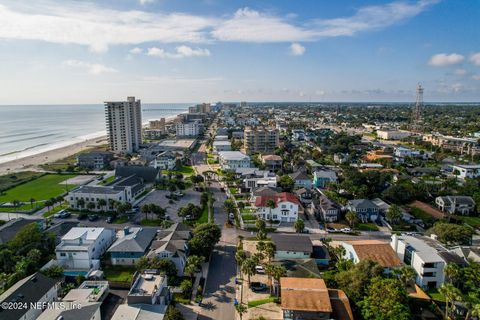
424 255
81 248
189 129
124 125
219 146
392 134
467 170
95 193
232 160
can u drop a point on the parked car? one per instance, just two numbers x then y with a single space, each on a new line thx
259 269
109 220
59 214
346 230
258 286
178 194
188 217
82 216
92 217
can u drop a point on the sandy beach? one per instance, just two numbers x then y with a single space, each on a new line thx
32 162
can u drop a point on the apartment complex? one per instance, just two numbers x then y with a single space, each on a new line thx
468 146
124 125
189 129
260 139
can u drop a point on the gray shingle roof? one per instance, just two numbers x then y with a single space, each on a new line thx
292 242
137 241
148 174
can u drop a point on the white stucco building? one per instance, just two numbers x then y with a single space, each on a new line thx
81 248
232 160
287 207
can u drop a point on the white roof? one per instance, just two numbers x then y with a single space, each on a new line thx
221 143
139 312
468 166
88 233
425 248
233 155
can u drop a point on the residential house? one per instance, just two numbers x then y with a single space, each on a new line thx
258 182
309 298
403 152
292 246
340 158
427 256
34 289
305 195
149 287
456 204
375 250
172 244
302 180
81 248
272 162
326 209
464 171
321 178
165 160
131 244
286 209
365 209
298 135
96 160
232 160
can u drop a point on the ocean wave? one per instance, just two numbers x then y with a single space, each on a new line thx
32 138
24 149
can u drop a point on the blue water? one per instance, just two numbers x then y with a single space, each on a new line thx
26 130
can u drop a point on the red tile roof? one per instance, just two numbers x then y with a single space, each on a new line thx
279 197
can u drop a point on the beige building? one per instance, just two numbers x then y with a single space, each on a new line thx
157 124
124 125
260 139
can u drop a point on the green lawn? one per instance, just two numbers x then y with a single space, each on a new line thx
119 273
108 180
248 216
256 303
186 170
120 220
366 227
11 180
233 190
435 295
204 217
472 221
43 188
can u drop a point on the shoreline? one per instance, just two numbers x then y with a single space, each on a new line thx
32 161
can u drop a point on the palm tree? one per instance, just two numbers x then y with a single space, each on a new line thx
193 266
394 214
406 274
102 203
145 209
261 229
452 272
240 256
241 309
278 272
32 200
299 226
16 204
90 206
351 218
451 294
269 250
248 267
80 203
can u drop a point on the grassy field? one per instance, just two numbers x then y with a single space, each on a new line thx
472 221
435 295
366 227
43 188
120 220
11 180
256 303
119 273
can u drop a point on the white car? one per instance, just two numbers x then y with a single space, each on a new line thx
259 269
346 230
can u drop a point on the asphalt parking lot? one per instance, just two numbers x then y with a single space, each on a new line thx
158 197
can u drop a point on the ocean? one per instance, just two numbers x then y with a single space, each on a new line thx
32 129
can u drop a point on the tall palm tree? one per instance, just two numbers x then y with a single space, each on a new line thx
451 294
32 200
278 272
248 267
351 218
240 256
102 203
270 205
406 274
452 273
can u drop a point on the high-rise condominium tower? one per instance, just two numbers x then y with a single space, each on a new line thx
124 125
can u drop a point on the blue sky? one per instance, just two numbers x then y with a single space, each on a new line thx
191 51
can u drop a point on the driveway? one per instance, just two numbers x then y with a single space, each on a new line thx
158 197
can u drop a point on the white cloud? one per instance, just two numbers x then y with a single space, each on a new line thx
92 68
136 50
443 59
143 2
180 52
475 59
85 23
94 26
476 77
297 49
460 72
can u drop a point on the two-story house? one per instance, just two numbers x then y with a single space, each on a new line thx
365 209
81 248
326 209
286 207
131 244
301 179
375 250
292 246
172 244
321 178
456 204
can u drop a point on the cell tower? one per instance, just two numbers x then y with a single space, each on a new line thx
417 112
